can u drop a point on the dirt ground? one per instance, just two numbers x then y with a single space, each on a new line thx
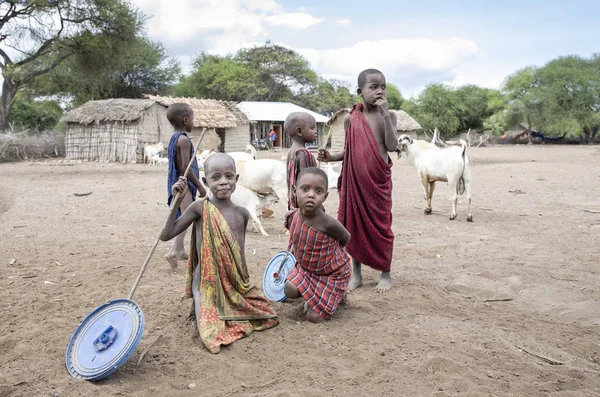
434 334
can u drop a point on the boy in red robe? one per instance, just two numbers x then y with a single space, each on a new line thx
365 184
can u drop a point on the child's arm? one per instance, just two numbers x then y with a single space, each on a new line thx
389 125
246 216
336 230
193 212
183 159
327 157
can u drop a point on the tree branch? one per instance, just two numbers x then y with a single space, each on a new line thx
7 60
54 64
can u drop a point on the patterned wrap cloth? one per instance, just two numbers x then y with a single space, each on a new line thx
174 175
293 169
365 188
322 270
230 306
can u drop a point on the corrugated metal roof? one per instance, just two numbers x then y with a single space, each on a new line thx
274 111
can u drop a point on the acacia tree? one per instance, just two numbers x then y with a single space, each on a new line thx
103 70
281 70
36 36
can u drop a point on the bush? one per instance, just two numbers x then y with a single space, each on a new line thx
27 146
34 115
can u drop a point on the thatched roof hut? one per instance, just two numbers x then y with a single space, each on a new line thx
404 125
118 129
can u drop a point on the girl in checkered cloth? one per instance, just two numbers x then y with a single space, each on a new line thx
322 270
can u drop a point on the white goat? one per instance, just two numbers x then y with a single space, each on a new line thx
265 176
253 202
151 150
156 159
332 175
434 164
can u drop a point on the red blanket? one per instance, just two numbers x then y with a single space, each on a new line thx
322 270
365 189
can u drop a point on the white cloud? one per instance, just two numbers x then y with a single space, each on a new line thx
390 54
343 21
406 62
225 25
293 20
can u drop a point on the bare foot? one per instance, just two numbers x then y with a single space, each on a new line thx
385 282
183 256
344 301
172 259
192 313
355 282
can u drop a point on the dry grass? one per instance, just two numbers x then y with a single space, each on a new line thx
26 146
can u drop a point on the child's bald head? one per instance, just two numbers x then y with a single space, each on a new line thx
297 124
219 160
362 77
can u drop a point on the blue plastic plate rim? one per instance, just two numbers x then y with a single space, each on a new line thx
291 261
124 358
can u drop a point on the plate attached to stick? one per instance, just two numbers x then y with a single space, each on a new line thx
276 274
105 339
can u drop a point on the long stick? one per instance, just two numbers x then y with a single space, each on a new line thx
326 138
173 208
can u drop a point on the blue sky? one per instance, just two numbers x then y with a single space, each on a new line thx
413 43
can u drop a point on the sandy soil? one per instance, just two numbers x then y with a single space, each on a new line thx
434 334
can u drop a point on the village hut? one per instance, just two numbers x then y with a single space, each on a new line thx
337 136
265 116
230 124
118 129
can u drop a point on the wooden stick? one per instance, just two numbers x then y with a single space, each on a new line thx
590 211
173 208
500 300
546 359
144 353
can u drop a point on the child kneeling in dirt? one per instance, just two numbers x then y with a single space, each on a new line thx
322 270
227 306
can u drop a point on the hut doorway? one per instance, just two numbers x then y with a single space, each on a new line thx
221 134
277 128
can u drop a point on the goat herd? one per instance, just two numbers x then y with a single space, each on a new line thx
262 182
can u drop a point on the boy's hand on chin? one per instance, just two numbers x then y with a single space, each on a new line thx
382 105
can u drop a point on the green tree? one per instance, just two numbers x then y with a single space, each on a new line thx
394 97
281 70
438 108
221 78
525 99
495 124
571 86
46 33
103 70
34 115
475 104
326 97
